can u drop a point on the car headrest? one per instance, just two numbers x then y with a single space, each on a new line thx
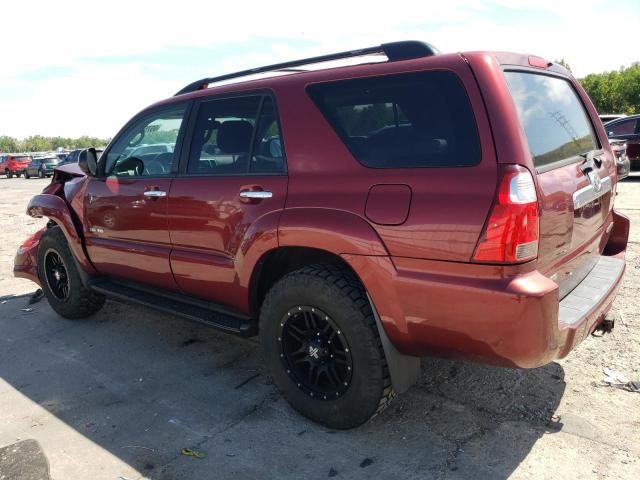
234 136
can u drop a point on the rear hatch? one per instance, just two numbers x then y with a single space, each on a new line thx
575 175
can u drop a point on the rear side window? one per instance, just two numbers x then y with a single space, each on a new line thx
223 136
554 120
402 121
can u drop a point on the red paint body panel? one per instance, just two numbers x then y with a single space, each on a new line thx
496 315
133 238
388 204
213 230
437 227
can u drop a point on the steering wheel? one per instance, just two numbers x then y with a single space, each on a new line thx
131 163
156 167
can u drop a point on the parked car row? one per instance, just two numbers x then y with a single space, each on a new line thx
36 165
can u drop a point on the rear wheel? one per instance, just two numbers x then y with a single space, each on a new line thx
18 174
41 173
321 343
61 281
26 174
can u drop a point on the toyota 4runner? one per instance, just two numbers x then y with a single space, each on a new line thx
356 217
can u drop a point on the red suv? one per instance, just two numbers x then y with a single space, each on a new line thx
14 164
356 217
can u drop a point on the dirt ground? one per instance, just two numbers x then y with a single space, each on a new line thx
118 396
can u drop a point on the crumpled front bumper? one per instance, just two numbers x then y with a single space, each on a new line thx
25 264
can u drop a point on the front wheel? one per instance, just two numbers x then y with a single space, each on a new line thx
321 343
8 173
60 278
26 174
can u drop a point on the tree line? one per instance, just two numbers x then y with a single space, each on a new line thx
39 143
616 91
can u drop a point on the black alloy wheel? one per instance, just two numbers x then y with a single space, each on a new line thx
315 353
56 274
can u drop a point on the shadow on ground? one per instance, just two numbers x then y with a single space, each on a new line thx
144 385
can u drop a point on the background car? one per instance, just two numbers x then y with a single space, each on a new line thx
609 117
619 149
41 167
15 164
627 129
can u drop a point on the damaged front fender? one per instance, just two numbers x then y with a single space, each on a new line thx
56 209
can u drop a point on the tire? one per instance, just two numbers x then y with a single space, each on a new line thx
18 174
334 294
26 174
77 301
41 173
8 173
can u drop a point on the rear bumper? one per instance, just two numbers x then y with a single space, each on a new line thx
476 312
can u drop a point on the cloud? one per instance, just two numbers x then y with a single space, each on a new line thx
72 68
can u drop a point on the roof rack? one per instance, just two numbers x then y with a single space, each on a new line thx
394 51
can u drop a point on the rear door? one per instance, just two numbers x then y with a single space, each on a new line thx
575 175
126 211
230 191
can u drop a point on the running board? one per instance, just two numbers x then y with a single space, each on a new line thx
184 306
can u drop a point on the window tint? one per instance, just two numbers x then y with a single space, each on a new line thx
411 120
146 149
222 136
627 127
553 117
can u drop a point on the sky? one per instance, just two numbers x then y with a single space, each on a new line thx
74 68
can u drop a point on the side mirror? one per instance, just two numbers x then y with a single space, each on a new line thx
88 162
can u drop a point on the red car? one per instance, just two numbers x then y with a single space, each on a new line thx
357 218
14 164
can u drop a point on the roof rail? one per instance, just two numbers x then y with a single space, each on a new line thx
394 51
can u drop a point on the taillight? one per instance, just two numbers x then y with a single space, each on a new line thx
511 233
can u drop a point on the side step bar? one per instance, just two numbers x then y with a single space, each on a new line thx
188 307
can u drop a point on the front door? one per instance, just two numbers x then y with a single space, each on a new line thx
126 210
228 195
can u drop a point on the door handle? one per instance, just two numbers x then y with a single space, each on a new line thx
255 194
155 193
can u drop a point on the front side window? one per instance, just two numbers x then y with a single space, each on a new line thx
554 120
419 119
147 148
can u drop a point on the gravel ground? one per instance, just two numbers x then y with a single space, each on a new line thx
119 395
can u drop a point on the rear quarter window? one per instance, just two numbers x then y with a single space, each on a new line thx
553 117
411 120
